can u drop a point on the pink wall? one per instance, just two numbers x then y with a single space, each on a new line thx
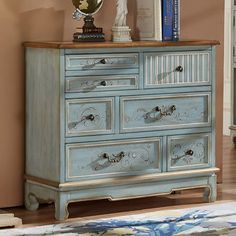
28 20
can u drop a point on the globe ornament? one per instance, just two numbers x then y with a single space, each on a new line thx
88 6
89 32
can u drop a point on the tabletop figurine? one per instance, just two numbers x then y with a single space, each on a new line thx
120 31
122 11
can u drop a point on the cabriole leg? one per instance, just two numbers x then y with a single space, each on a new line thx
210 193
31 201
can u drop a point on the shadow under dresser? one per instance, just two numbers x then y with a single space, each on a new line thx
118 120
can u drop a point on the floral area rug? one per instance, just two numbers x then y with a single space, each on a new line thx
208 220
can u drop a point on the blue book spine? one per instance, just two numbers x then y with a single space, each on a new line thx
176 20
167 20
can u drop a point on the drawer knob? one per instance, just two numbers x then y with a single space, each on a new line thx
103 83
179 68
189 153
114 158
103 61
90 117
162 112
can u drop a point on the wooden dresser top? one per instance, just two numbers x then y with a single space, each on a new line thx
109 44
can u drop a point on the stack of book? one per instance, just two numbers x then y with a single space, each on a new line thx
158 20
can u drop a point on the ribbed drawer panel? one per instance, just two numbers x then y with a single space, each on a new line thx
177 69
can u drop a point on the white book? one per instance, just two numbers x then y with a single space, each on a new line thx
149 24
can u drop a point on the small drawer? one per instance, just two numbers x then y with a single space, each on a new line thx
181 69
101 83
101 61
124 157
188 152
89 116
165 112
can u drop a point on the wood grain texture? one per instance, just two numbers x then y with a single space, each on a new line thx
108 44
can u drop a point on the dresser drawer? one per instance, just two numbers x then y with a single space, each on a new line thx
101 61
188 152
124 157
101 83
89 116
165 112
181 69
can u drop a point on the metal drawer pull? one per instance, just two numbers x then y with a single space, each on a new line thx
103 83
94 84
103 61
162 112
114 158
73 125
164 75
99 61
90 117
187 153
179 69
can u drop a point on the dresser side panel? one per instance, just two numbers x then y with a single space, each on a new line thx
216 158
43 113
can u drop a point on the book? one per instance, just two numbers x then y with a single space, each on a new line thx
176 20
149 19
167 19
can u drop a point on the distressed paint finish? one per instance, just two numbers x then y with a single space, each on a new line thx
164 112
189 152
181 69
88 141
112 158
101 61
101 83
90 116
43 113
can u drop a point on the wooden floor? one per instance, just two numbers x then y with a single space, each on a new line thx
105 208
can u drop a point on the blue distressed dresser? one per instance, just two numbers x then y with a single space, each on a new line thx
118 120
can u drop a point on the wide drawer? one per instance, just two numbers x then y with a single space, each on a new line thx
189 152
101 83
124 157
101 61
89 116
183 69
165 112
